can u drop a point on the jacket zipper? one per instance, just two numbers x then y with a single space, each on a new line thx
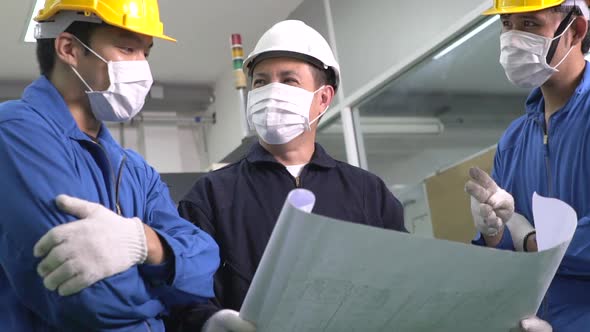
544 305
547 160
242 276
115 182
118 185
298 180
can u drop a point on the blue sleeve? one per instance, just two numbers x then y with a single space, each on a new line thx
194 254
577 257
497 167
37 165
192 318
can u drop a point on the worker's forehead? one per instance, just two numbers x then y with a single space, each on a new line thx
280 65
107 33
536 15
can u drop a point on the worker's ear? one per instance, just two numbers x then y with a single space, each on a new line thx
68 49
326 95
580 29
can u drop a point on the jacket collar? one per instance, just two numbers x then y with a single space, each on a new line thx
535 103
258 154
44 97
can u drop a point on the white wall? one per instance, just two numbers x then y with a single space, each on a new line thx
194 157
313 13
168 147
162 148
226 135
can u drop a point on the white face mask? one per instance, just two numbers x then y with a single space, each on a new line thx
524 57
280 112
130 83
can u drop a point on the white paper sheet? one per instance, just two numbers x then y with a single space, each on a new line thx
551 222
321 274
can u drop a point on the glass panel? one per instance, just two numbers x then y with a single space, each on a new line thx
332 140
446 108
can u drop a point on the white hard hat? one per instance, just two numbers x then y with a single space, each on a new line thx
581 4
295 39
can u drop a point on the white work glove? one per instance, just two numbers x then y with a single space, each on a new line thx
227 321
82 252
519 228
491 206
534 324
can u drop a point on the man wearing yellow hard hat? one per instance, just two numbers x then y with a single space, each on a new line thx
546 150
90 239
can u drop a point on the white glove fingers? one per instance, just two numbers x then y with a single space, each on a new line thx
227 320
56 257
98 246
237 324
535 324
494 224
79 208
483 179
477 191
501 204
75 285
58 276
501 199
54 237
504 214
486 211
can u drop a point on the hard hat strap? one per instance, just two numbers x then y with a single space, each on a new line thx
565 23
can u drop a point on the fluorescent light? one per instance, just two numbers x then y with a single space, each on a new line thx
30 34
466 37
393 125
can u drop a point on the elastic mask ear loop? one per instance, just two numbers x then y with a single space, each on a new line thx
81 79
90 50
563 26
76 71
321 114
565 57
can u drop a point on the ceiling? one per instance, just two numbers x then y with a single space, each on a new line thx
202 28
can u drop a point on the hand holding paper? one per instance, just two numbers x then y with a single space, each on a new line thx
319 273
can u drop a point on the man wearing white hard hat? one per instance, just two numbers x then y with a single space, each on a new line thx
546 150
294 76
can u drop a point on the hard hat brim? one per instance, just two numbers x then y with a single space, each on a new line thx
518 9
255 60
47 14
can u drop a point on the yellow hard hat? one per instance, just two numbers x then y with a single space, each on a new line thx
140 16
521 6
